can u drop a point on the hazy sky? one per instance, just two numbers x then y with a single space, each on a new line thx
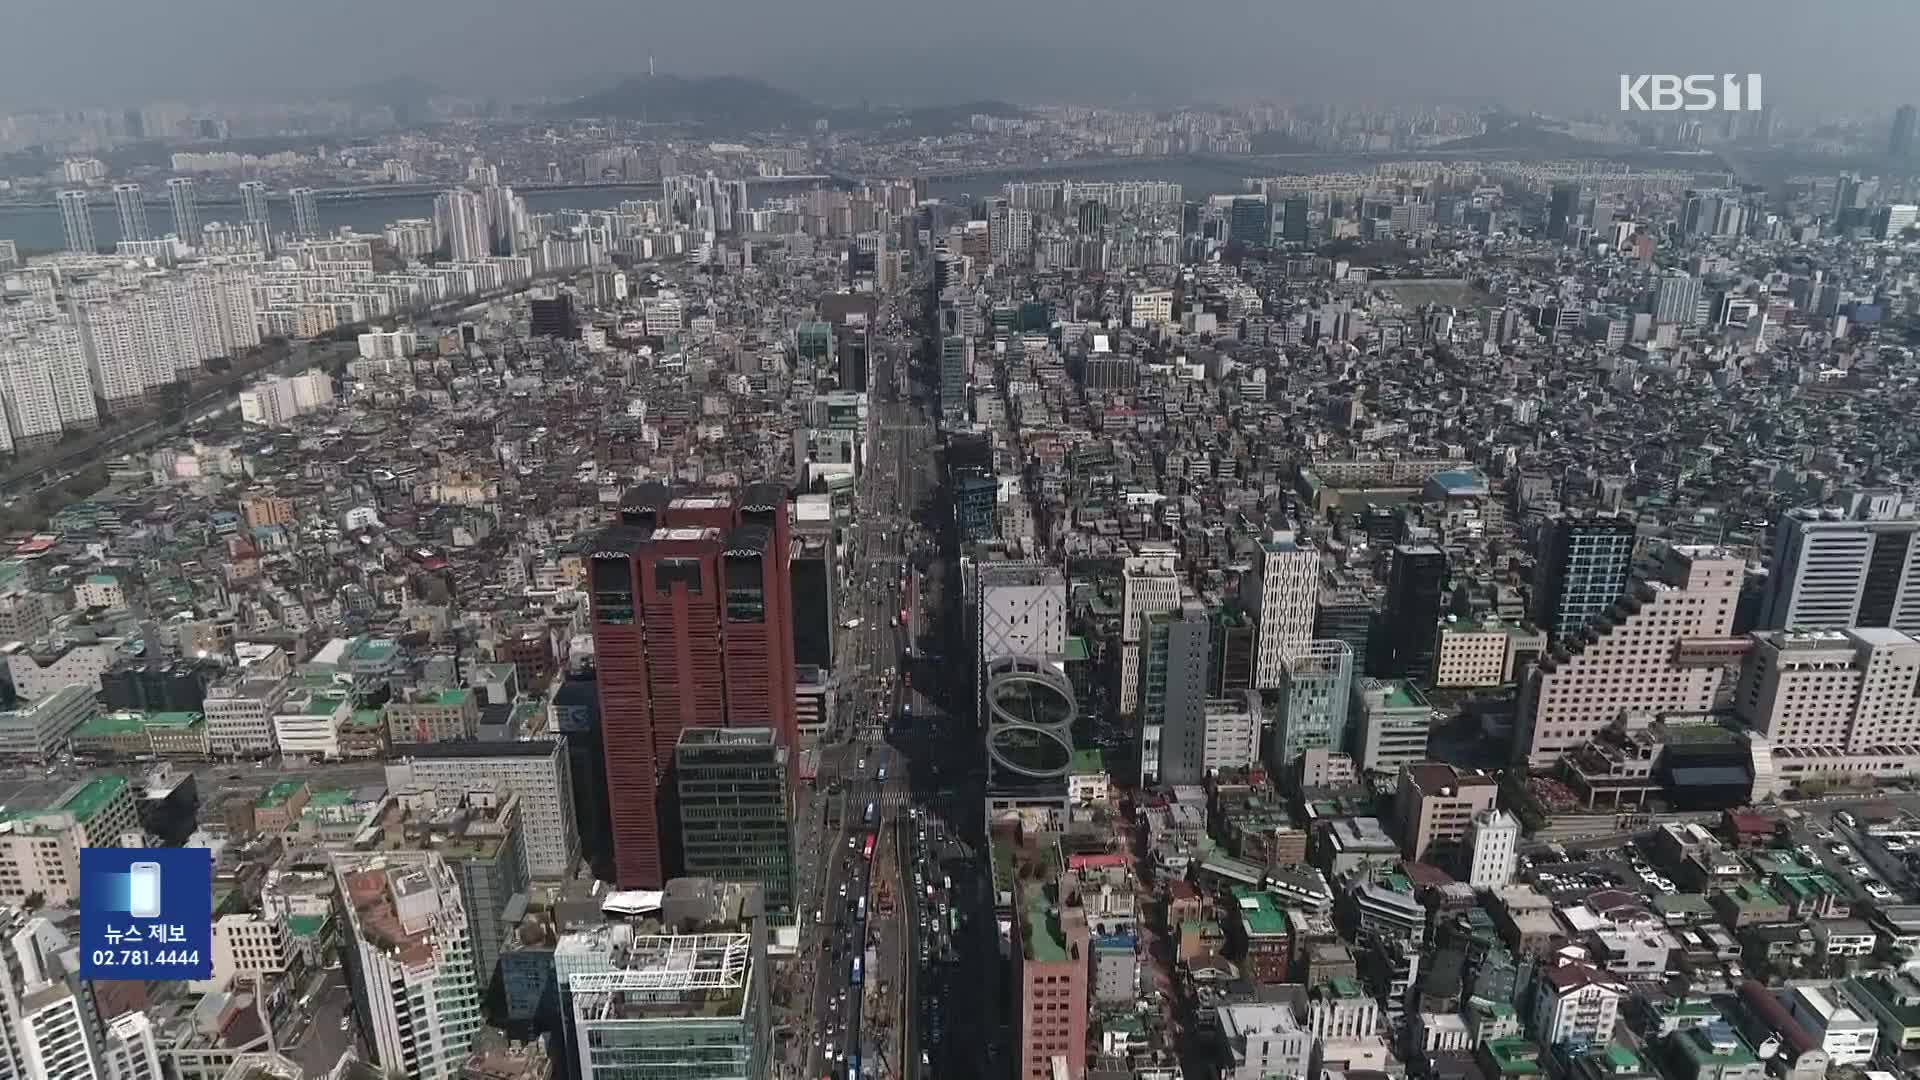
1561 54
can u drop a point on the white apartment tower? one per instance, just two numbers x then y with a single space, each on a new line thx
130 205
409 960
1150 585
77 221
1627 663
44 387
1283 591
186 209
460 217
306 211
1853 564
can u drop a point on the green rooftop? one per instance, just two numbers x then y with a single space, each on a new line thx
306 925
374 649
330 797
1513 1056
117 723
1045 943
1088 761
449 698
1077 650
364 720
279 793
1400 696
1258 911
89 800
128 723
1345 986
1622 1059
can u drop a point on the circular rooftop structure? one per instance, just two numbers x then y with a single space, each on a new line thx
1030 711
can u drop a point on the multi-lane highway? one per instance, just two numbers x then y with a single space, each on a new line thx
864 786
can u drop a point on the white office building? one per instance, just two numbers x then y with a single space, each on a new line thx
1283 592
131 1051
1264 1040
409 960
536 770
1856 563
1491 851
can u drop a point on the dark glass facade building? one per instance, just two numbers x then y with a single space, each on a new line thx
1416 592
1583 568
735 813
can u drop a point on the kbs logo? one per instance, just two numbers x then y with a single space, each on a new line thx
1689 93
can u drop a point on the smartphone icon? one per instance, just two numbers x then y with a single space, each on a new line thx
143 890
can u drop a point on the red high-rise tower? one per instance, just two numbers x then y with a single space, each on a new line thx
692 627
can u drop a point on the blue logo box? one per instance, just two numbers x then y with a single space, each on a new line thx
146 913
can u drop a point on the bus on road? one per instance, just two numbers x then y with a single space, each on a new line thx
860 912
854 979
867 852
873 809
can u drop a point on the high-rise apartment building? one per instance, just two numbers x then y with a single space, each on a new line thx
1627 662
130 206
306 211
734 786
1173 694
1416 596
1281 590
461 220
409 960
76 218
692 616
1149 584
1583 568
256 214
44 385
186 209
1856 563
253 202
